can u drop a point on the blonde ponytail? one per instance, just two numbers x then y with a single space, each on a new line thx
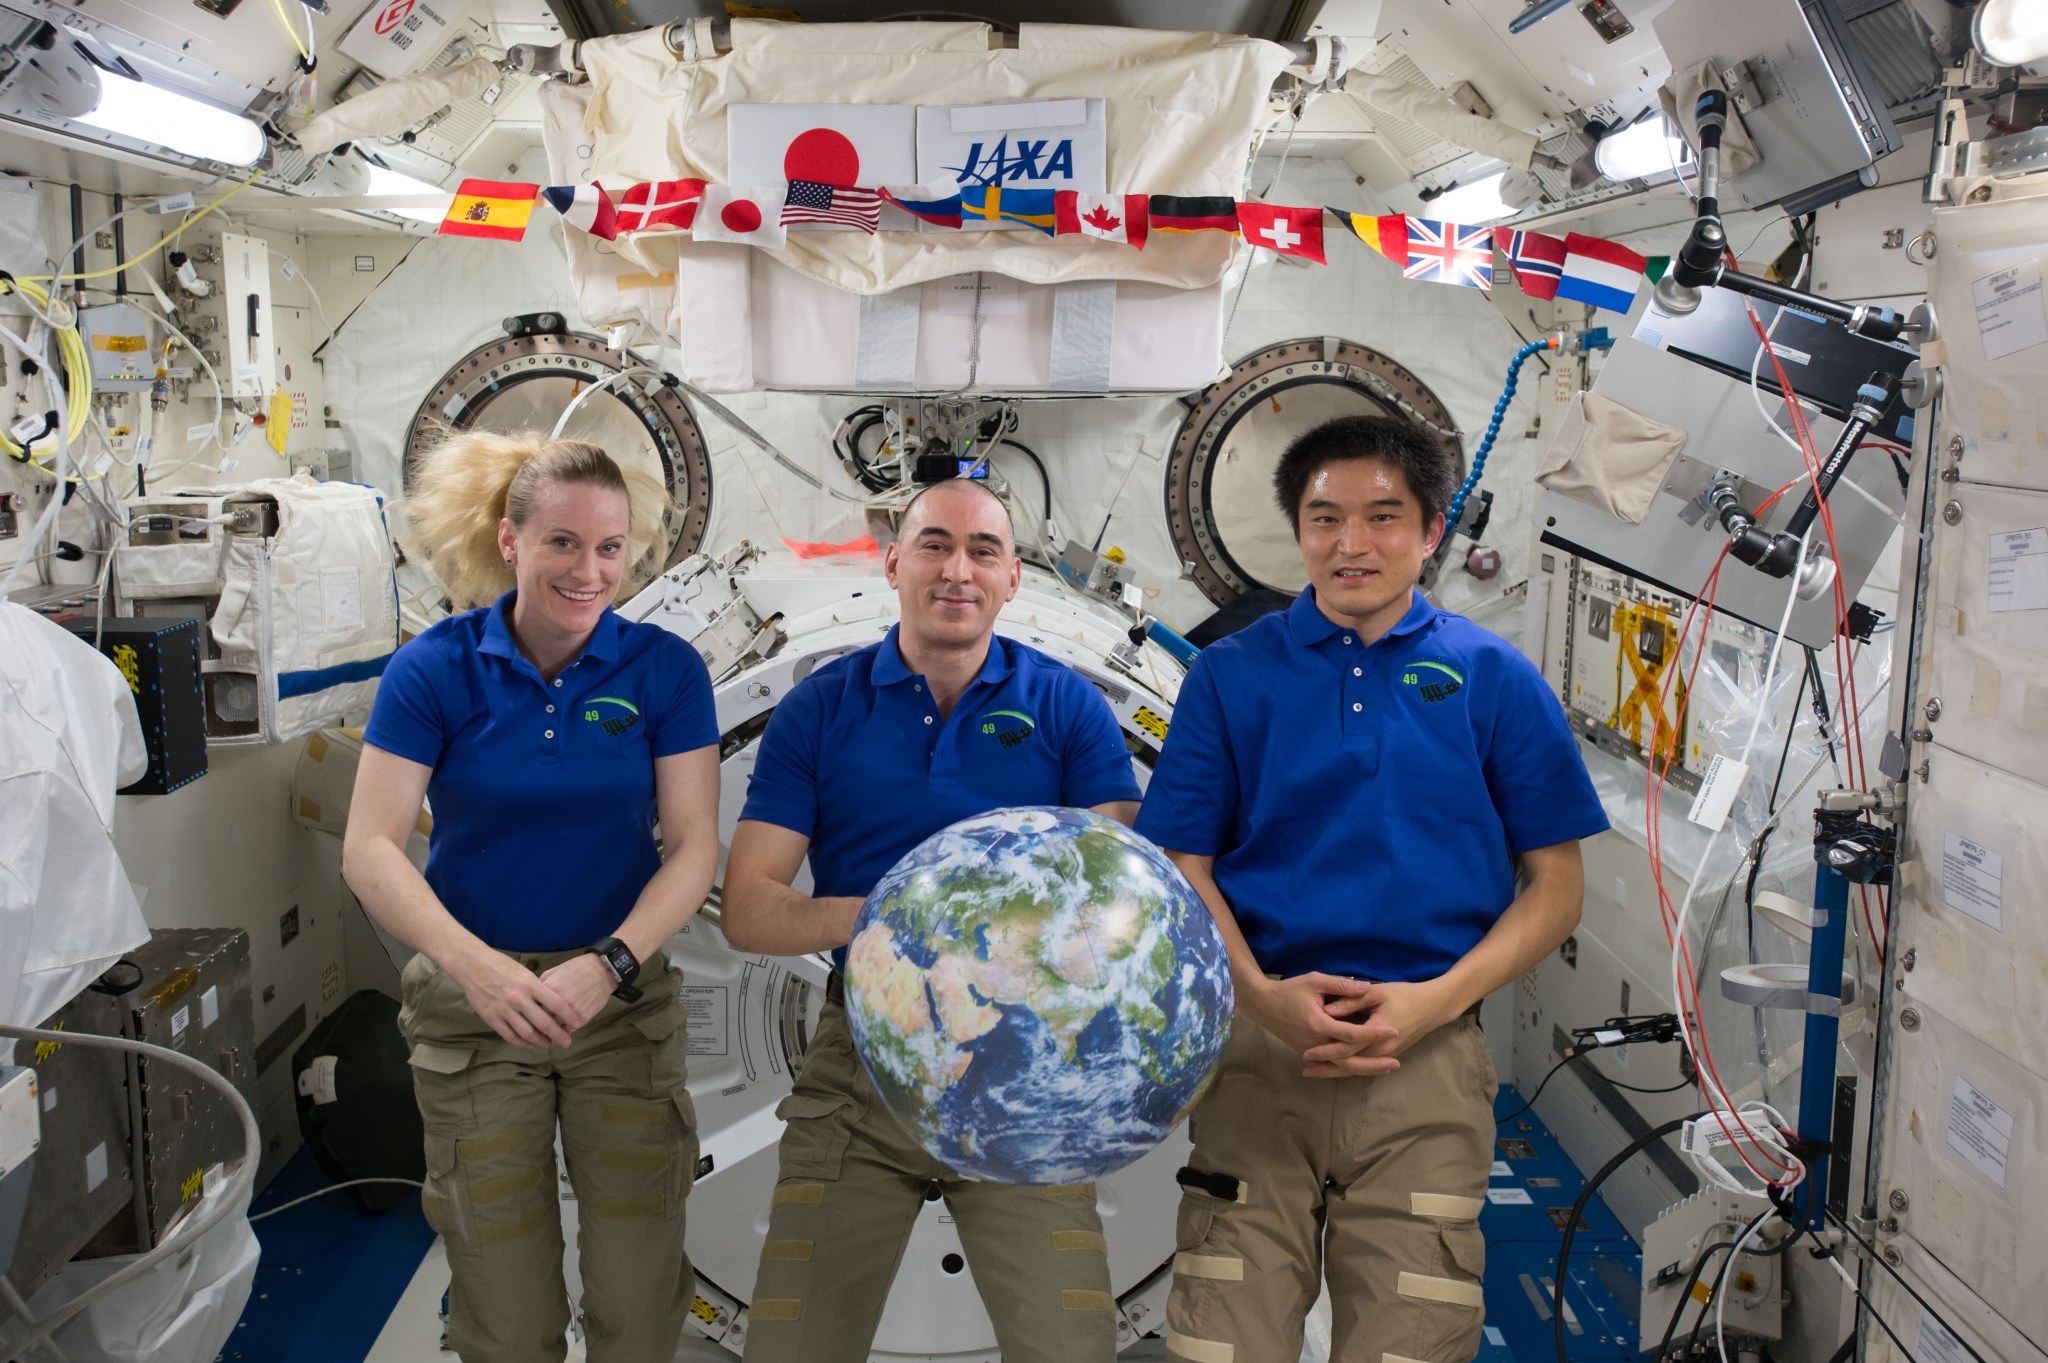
474 479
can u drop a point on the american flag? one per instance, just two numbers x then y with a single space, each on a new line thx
810 201
1445 253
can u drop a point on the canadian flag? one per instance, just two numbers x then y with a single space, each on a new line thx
659 206
1290 231
1110 217
752 216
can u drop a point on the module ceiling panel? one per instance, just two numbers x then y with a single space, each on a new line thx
1259 18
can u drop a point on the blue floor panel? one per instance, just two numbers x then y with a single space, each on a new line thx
330 1275
1602 1294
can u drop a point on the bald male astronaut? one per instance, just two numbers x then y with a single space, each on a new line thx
864 759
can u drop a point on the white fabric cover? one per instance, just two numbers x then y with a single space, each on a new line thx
152 571
181 1310
69 738
1428 109
317 595
651 116
1610 457
397 104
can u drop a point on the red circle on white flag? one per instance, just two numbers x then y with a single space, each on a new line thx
741 215
823 156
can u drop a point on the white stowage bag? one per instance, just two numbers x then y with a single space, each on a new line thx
181 1310
69 738
1182 112
311 610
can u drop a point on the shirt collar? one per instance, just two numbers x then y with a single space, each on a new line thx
603 644
890 668
1310 626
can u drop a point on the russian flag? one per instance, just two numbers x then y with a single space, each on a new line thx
937 203
1600 272
585 206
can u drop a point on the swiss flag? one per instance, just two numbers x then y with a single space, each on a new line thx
1290 231
659 206
1109 217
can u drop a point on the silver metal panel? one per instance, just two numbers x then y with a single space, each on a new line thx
81 1179
1724 431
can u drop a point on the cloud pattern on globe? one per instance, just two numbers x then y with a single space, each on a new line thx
1038 994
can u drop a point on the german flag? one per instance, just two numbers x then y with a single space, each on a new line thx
1207 213
497 209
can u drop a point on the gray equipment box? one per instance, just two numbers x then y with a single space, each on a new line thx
194 998
81 1179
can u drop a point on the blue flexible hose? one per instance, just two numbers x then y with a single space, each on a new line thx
1500 411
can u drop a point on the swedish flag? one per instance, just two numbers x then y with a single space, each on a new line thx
992 203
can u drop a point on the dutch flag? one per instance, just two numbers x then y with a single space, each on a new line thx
1600 272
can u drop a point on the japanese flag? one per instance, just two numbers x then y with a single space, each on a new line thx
751 216
1290 231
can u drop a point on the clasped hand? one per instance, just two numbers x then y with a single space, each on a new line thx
1344 1027
537 1010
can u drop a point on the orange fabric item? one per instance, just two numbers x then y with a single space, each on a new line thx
864 547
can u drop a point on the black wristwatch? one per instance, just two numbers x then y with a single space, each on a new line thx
623 964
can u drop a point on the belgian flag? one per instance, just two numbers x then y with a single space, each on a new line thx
1206 213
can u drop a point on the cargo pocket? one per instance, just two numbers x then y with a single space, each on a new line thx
668 1050
441 1082
446 1199
1452 1303
818 1128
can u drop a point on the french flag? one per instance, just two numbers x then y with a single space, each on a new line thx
1600 272
585 206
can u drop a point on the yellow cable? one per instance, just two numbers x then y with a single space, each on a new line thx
137 260
289 31
77 368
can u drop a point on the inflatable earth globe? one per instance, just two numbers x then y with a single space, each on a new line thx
1038 994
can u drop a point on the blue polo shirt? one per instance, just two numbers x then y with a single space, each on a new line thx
543 793
1364 802
857 759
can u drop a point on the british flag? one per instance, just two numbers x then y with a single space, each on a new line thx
1445 253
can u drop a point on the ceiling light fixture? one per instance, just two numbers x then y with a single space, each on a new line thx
2011 32
1481 201
394 183
1641 150
167 118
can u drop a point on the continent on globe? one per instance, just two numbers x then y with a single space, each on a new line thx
1038 994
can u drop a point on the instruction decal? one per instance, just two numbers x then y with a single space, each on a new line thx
1979 1130
2018 578
1973 880
1937 1343
704 1015
2010 317
1510 1197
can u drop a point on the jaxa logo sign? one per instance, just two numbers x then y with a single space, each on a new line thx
1434 681
1031 161
611 714
1008 727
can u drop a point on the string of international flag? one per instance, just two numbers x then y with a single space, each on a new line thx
1574 267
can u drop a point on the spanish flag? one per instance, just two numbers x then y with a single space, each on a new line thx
1388 235
1203 213
490 208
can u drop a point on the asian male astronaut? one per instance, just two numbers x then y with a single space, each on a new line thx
1351 784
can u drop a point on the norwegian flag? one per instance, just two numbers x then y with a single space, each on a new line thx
1445 253
1538 262
832 205
659 206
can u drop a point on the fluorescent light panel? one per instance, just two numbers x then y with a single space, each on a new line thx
2011 32
165 118
1640 151
384 180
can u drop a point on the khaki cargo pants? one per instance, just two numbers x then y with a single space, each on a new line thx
1375 1181
629 1135
851 1184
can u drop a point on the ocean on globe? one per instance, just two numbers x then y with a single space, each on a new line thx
1038 994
